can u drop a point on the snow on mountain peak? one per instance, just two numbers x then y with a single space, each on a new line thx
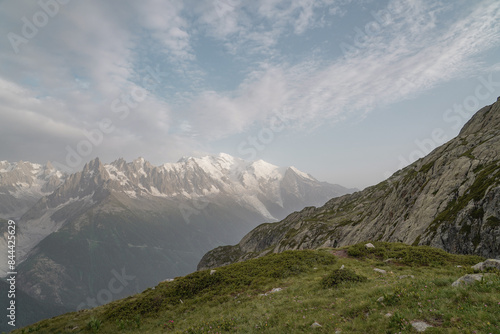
264 170
302 174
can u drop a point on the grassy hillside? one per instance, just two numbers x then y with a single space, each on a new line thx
239 298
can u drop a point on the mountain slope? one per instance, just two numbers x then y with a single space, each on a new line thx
22 184
148 223
306 292
450 199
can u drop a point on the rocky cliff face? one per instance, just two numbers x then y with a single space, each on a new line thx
22 184
450 199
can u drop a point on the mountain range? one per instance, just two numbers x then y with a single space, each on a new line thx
112 230
449 199
134 224
22 184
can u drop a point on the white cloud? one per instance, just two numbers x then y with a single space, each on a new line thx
249 28
65 79
411 55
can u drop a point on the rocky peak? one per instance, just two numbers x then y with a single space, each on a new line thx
449 199
488 118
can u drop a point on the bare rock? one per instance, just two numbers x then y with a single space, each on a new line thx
316 325
420 326
468 280
490 263
406 276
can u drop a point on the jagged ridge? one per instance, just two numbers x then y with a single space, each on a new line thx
450 199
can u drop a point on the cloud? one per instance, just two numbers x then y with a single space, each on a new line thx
250 28
67 78
64 80
410 55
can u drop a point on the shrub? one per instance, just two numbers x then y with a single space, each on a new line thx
251 274
94 325
399 322
340 276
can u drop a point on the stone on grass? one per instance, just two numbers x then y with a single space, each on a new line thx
212 272
420 326
381 299
490 263
468 280
272 291
369 245
316 325
380 271
406 276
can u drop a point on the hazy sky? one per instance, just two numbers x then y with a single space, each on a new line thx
346 90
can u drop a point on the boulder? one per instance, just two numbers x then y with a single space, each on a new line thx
468 280
490 263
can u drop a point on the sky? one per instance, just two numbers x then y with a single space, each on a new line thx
348 91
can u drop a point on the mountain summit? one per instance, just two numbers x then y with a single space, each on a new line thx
450 199
134 219
24 183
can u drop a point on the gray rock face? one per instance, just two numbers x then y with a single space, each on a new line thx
22 184
450 199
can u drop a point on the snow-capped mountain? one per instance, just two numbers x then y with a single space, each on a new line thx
252 183
156 221
22 184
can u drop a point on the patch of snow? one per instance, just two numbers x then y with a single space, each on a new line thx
254 202
169 167
116 174
130 193
265 170
226 161
207 164
213 190
31 232
302 174
142 172
155 192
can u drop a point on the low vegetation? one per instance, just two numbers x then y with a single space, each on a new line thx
291 291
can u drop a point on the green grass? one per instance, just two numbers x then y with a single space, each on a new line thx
237 298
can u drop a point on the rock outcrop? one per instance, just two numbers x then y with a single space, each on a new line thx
450 199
